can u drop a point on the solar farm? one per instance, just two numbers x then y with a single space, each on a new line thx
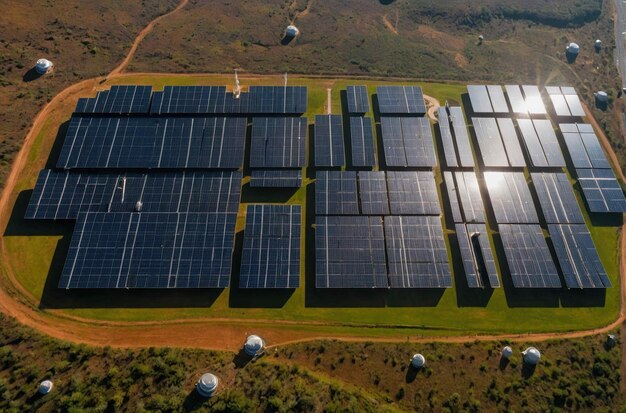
188 190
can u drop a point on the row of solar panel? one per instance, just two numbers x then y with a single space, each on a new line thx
454 137
196 100
565 101
379 193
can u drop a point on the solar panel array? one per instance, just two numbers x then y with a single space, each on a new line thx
461 136
276 178
271 247
362 141
479 263
541 143
336 193
498 142
278 142
358 100
189 100
565 101
150 250
465 198
487 99
408 142
602 191
286 100
397 100
510 198
373 193
528 256
117 100
416 252
329 150
413 193
176 143
556 198
583 146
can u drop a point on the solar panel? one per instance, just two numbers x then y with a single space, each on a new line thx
490 143
276 178
412 193
329 150
479 263
271 247
510 198
498 101
336 193
150 250
464 193
400 100
528 257
190 100
601 190
541 143
461 137
120 99
362 141
350 252
358 100
447 140
558 101
573 102
578 257
175 143
278 143
64 194
594 150
576 149
416 252
480 99
511 143
557 198
583 146
373 193
517 101
408 142
290 100
534 102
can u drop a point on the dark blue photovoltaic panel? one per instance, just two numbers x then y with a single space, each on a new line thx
480 99
271 247
583 146
601 190
416 252
362 141
573 102
276 178
528 257
408 142
189 100
578 257
350 252
461 136
287 100
510 198
479 263
278 143
490 142
465 198
63 194
413 193
329 150
236 106
558 101
373 193
557 198
447 140
176 143
511 143
358 100
117 100
541 143
453 198
400 100
150 250
336 193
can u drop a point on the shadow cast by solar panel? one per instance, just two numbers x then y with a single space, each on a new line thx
250 195
253 297
605 219
466 296
18 226
588 297
310 170
57 146
522 297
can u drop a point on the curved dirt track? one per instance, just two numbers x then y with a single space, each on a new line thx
221 334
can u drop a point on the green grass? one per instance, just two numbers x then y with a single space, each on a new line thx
453 311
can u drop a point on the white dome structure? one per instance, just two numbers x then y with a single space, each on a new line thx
254 346
418 361
43 66
481 37
507 352
598 44
572 48
602 96
45 387
531 356
207 385
292 31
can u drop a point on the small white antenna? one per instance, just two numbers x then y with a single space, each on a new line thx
285 79
237 92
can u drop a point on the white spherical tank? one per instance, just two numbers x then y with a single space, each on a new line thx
254 346
531 356
418 361
207 385
43 66
507 352
45 387
292 31
572 48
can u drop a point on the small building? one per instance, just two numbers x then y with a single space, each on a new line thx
418 361
507 352
43 66
611 340
207 385
602 96
572 49
531 356
292 31
481 38
254 346
45 387
598 45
